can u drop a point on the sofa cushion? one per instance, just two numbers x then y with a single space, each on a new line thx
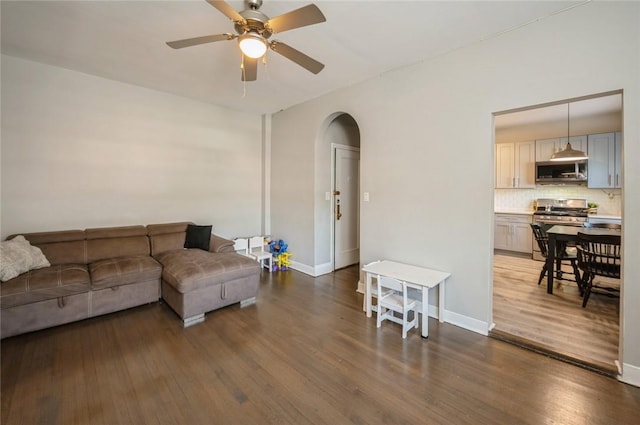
61 247
189 269
123 271
198 237
18 256
115 232
167 237
114 242
44 284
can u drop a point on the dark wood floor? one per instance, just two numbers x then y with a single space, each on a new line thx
557 323
303 354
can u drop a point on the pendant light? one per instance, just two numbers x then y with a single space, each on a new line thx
568 153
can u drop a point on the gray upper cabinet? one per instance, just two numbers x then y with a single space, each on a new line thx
605 161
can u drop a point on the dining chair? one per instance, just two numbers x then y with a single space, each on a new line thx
393 297
598 255
562 254
257 251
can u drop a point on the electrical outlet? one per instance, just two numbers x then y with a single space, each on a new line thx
365 196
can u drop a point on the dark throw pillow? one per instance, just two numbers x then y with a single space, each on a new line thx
198 237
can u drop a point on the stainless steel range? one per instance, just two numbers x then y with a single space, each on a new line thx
568 212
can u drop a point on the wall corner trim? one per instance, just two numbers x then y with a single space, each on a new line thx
630 374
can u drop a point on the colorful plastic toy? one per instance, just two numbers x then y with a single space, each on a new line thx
281 259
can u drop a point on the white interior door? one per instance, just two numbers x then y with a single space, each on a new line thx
346 208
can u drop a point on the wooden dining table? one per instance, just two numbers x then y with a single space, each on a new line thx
560 233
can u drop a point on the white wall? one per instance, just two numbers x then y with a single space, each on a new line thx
427 150
292 187
80 151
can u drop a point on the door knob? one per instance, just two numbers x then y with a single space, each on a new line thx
338 214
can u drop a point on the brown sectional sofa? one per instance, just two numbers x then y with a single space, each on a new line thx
99 271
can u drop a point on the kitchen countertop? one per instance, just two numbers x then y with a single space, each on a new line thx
610 217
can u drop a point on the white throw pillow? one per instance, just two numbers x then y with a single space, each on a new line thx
18 256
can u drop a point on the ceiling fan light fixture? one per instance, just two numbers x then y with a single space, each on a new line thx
252 45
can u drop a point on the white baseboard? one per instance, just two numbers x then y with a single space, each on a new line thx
630 375
303 268
467 323
456 319
312 271
325 268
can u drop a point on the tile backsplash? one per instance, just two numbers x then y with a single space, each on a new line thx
522 199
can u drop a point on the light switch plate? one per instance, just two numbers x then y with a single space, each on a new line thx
327 196
365 196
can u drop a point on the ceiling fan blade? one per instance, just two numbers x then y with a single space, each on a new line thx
226 10
307 15
179 44
296 56
249 69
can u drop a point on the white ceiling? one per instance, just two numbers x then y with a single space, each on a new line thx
125 41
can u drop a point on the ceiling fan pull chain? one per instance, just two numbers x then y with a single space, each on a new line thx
244 79
266 68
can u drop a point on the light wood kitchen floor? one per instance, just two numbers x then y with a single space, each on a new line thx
555 324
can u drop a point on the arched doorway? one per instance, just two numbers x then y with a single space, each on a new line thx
343 138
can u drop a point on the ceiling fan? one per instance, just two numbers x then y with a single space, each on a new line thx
253 30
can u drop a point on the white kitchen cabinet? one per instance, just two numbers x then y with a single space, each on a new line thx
513 232
525 165
505 165
547 147
604 168
515 165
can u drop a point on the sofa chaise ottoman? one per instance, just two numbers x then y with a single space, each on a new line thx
195 281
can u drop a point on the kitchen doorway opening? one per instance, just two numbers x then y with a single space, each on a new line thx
523 312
